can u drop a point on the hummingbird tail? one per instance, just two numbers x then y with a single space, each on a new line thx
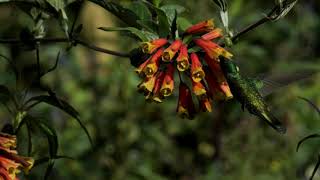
273 122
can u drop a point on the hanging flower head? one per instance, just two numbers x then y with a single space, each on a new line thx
200 67
10 162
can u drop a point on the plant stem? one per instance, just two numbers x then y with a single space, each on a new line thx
66 40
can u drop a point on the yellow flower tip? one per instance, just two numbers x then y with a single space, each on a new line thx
147 85
150 69
183 112
198 75
146 47
210 23
167 91
167 56
183 65
157 98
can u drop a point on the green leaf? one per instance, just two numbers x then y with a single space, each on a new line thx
312 104
156 2
131 30
124 14
163 21
62 105
49 169
171 9
183 23
149 25
306 138
47 159
141 10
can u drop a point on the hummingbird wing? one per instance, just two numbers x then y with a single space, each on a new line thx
272 83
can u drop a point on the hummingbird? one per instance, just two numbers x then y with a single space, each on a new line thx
246 92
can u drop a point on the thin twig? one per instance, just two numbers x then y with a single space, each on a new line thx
66 40
254 25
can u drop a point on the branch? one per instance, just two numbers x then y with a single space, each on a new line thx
66 40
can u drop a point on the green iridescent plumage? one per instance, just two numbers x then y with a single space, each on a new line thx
246 92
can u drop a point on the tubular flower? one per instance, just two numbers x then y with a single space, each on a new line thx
207 79
205 104
212 49
204 26
215 90
10 161
185 107
147 85
197 72
198 88
221 80
171 51
216 33
153 64
139 70
152 46
183 59
168 82
156 94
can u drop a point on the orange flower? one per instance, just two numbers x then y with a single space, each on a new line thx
215 89
147 85
10 161
153 64
204 26
150 47
198 88
221 80
212 34
205 104
139 70
185 107
183 59
168 82
171 51
197 72
212 49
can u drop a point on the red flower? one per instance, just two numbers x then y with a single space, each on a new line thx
185 107
205 104
198 88
219 76
204 26
10 161
150 47
171 51
212 49
153 64
168 82
212 34
156 94
197 72
183 59
215 88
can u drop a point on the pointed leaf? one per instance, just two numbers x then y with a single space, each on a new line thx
163 21
315 168
171 11
124 14
306 138
141 10
311 104
133 31
49 169
64 106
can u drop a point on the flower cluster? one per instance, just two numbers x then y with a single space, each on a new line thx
10 161
201 69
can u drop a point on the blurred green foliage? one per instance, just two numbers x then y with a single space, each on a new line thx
137 140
